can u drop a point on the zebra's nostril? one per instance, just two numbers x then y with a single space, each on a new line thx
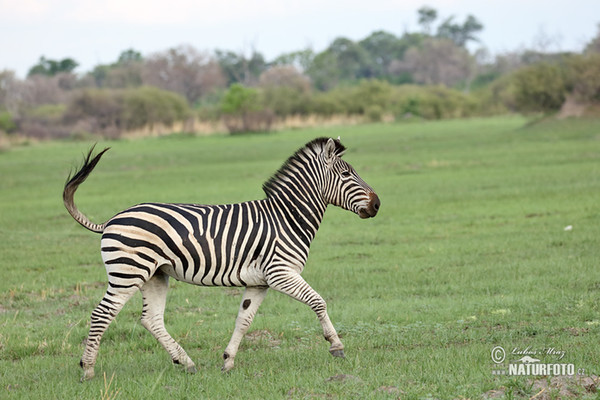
376 202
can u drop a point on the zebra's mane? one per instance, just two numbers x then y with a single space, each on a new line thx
311 149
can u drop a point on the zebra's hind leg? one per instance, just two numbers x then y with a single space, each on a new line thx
251 300
110 305
154 293
292 284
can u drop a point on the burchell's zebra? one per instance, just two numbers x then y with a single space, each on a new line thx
258 244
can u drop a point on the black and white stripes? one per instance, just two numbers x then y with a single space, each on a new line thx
257 244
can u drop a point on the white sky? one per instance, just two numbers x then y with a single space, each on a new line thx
95 32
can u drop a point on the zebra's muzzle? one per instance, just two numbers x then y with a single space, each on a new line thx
372 207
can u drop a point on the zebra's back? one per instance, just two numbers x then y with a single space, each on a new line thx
209 245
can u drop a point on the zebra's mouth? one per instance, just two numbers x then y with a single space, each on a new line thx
365 213
370 210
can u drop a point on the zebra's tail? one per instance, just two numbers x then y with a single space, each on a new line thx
71 186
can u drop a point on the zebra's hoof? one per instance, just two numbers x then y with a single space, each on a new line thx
338 353
88 373
227 366
191 369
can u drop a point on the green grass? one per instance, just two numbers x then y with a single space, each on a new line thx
467 253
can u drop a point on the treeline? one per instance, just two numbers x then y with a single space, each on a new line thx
428 74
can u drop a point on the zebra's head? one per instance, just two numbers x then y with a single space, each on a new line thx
343 186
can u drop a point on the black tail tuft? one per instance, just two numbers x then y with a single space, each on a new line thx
89 164
73 182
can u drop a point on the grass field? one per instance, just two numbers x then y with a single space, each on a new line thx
468 252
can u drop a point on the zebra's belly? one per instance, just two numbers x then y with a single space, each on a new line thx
241 275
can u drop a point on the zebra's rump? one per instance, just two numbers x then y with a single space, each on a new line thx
205 245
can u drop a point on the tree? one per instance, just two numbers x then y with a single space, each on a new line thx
343 61
129 56
49 67
382 48
540 87
285 90
183 70
426 17
301 60
460 34
124 73
594 45
242 110
437 61
239 68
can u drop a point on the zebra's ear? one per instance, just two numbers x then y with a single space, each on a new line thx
329 150
339 147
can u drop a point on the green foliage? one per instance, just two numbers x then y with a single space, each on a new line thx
111 112
540 87
7 123
241 69
146 106
375 98
49 67
584 77
460 34
244 111
432 102
468 252
239 99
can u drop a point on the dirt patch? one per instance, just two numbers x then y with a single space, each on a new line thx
563 387
344 378
572 108
390 390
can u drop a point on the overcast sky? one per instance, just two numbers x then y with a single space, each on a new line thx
95 32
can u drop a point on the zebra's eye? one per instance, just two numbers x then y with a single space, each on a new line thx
346 174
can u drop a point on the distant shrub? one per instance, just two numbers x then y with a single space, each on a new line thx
43 122
243 111
147 106
583 77
371 95
374 113
540 87
7 123
432 102
285 91
110 112
329 103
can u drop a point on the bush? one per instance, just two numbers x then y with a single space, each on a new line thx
111 112
43 122
243 111
147 106
7 123
584 77
374 113
432 102
540 87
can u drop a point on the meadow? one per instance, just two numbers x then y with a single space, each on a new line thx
488 235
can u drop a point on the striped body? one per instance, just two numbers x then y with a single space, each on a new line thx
258 245
227 245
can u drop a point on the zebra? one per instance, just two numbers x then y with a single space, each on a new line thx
257 245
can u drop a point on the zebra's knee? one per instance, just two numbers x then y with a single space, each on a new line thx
319 306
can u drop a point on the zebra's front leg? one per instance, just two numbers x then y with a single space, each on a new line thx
292 284
251 300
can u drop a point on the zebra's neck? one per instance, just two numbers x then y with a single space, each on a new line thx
307 213
296 191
